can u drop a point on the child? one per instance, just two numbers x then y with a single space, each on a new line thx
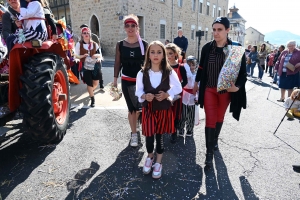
295 109
188 99
173 54
34 26
156 85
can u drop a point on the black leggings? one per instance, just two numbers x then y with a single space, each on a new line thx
159 143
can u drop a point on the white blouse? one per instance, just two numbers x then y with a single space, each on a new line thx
188 98
34 9
155 79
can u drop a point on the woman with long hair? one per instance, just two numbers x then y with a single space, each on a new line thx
251 61
90 56
156 86
262 54
215 103
129 58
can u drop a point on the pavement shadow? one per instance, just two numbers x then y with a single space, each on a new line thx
75 114
247 189
218 186
18 160
124 179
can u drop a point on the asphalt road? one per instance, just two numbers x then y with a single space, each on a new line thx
94 160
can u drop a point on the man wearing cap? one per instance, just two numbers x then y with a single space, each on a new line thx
215 103
182 42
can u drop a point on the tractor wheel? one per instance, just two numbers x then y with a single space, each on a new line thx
45 97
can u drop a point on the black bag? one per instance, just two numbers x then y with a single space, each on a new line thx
134 99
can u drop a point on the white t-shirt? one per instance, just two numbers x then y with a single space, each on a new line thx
188 98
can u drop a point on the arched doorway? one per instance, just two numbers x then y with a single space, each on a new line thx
94 25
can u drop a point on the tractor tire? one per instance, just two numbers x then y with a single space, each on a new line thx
45 98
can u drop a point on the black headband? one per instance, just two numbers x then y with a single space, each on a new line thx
222 20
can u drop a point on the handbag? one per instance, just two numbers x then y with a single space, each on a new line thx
290 66
134 99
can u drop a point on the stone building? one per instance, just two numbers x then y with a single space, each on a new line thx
237 25
159 19
254 37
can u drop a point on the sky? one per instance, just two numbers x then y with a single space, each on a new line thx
269 15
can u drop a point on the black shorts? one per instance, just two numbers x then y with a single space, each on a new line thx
128 90
91 75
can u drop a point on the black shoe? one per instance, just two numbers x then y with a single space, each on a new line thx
296 168
92 102
280 100
210 142
173 138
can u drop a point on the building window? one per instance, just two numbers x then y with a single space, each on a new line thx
193 32
180 2
212 35
141 26
200 6
207 9
214 11
219 12
224 13
206 33
162 32
193 5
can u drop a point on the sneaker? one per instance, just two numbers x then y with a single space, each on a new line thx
189 134
147 165
134 140
259 80
157 168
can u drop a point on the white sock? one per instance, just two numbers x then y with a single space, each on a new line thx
133 134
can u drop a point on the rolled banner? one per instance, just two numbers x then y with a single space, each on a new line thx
231 67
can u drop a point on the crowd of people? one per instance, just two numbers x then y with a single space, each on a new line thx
161 86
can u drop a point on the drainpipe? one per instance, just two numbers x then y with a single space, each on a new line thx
172 22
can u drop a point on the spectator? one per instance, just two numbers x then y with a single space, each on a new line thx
262 54
281 48
248 50
288 78
181 42
10 22
270 60
251 61
167 42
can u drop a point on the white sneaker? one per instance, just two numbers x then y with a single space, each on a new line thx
134 140
147 165
157 168
259 80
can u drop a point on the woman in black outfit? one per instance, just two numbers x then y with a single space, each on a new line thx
215 103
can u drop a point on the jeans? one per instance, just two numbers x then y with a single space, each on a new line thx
250 67
271 70
260 71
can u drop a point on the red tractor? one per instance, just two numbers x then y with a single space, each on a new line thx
38 87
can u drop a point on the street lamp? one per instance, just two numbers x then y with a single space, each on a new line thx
199 34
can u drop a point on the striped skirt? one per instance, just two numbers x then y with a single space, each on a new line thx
157 122
177 109
31 34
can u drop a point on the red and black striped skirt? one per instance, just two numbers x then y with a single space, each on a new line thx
157 122
177 109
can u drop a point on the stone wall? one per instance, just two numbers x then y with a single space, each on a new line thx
152 12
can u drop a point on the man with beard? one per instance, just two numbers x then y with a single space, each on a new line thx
10 20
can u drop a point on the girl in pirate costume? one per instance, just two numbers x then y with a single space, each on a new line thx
156 86
34 27
85 49
129 58
173 53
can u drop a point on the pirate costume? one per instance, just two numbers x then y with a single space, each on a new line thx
215 103
34 26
